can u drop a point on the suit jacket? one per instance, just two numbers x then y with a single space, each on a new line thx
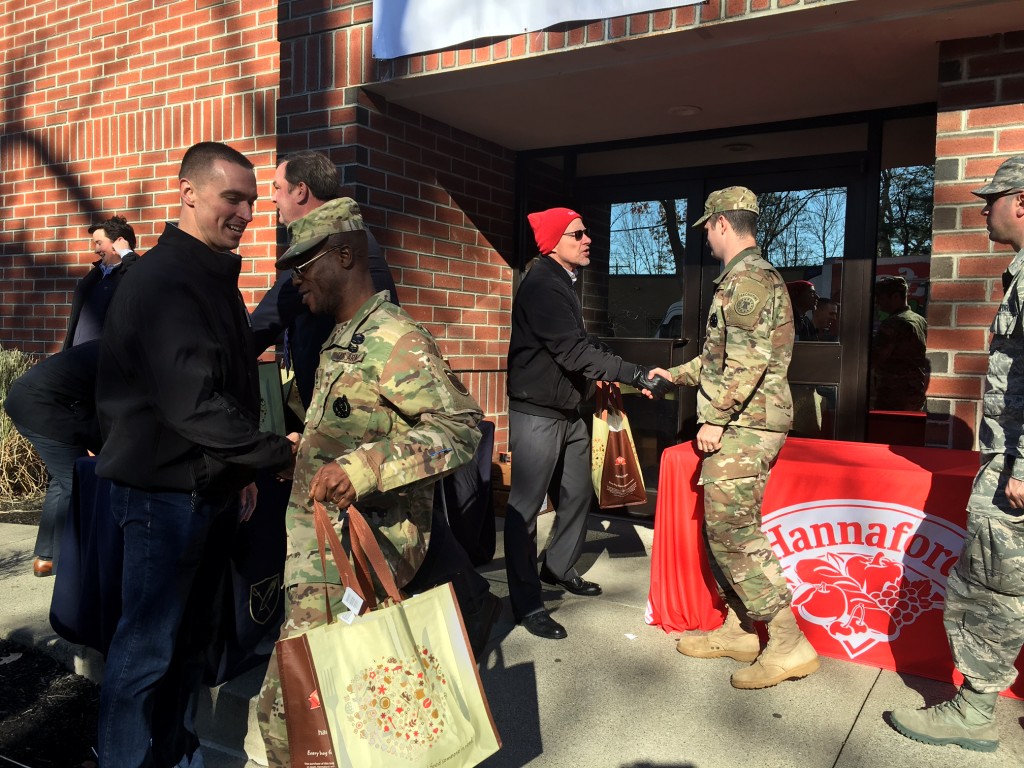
85 287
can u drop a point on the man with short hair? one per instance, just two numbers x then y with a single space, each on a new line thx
302 183
899 365
552 364
387 420
745 409
984 613
825 319
113 241
804 298
179 406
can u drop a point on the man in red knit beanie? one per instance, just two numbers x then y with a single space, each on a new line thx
551 366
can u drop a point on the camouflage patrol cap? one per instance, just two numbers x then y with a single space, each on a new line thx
1009 177
891 284
338 215
728 199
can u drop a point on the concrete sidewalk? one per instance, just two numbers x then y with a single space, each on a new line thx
615 693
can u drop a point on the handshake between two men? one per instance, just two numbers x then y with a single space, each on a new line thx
654 383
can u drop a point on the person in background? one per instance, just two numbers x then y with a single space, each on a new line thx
113 240
825 319
387 420
552 364
900 369
178 400
745 409
53 406
302 183
984 612
804 298
53 401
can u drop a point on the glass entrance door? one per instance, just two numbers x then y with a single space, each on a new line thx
812 227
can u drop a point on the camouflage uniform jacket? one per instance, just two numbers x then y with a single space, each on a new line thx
741 373
1002 426
899 365
395 417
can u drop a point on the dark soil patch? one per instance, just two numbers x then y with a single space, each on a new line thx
48 715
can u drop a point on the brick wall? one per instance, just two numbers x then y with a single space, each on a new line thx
440 201
100 100
980 123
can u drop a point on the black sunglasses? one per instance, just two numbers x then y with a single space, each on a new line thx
578 234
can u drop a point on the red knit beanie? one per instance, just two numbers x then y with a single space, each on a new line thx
549 226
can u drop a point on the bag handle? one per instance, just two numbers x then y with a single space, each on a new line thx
326 535
366 552
609 398
365 548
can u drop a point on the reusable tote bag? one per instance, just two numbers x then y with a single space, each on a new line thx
614 465
398 686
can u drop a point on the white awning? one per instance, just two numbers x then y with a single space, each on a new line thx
404 27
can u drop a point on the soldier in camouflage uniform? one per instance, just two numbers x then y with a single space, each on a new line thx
387 419
899 366
745 409
984 614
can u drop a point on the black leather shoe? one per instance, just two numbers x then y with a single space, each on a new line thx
577 585
542 625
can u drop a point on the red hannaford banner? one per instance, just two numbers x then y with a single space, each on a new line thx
867 535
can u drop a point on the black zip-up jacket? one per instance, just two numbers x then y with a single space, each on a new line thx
177 389
551 362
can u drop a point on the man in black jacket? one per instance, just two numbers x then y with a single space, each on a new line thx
178 401
551 364
113 241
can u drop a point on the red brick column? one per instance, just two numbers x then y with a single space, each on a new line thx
980 123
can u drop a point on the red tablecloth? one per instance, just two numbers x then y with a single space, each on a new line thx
866 533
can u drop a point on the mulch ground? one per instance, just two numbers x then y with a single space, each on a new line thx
48 715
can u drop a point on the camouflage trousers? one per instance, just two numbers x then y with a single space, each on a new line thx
984 614
748 573
305 608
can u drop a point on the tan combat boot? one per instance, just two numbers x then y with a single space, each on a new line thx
968 721
730 639
788 654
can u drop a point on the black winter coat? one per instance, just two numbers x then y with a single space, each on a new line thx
551 361
177 390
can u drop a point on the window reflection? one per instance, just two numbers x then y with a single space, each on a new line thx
802 233
646 254
814 410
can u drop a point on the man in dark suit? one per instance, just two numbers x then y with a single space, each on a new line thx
303 183
113 241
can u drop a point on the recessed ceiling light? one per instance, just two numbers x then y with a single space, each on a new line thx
684 110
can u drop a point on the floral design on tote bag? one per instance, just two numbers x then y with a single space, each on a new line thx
398 706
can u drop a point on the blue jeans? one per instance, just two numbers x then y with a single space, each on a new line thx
175 551
59 458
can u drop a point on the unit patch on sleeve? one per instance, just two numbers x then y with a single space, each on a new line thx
747 302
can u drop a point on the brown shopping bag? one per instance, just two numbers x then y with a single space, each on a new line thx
397 686
614 465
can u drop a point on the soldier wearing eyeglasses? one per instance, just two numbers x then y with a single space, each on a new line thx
388 418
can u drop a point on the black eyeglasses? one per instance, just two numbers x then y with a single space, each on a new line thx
577 233
301 269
